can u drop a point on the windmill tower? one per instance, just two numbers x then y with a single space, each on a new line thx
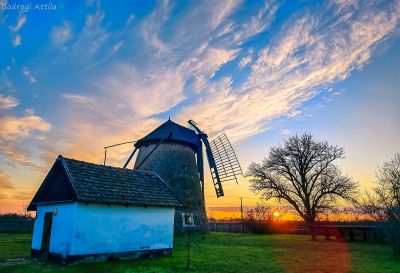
175 153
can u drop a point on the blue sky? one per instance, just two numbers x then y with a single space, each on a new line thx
76 77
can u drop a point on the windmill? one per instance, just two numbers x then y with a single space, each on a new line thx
175 153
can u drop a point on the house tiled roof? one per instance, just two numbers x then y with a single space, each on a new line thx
179 134
105 184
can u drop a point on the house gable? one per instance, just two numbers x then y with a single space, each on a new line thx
56 187
71 180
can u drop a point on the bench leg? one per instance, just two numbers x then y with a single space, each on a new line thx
351 234
339 235
327 234
313 234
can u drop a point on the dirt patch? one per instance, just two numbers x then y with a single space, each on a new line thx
305 256
16 261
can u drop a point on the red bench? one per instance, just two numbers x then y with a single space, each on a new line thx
343 231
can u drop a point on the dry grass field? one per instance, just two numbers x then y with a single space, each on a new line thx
225 252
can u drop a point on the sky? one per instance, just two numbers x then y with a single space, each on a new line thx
78 76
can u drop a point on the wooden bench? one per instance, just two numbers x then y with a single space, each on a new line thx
340 232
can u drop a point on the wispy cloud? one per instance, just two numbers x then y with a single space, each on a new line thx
181 65
10 192
92 36
7 102
20 23
246 60
14 131
81 45
17 40
258 23
285 132
61 34
5 181
117 46
21 20
308 54
12 128
150 28
157 91
108 78
28 74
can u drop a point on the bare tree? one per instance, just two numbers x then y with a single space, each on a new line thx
24 211
371 207
387 188
383 202
259 213
301 173
258 218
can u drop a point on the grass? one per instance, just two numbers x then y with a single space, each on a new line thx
224 252
14 245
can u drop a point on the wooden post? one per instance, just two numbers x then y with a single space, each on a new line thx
313 233
365 236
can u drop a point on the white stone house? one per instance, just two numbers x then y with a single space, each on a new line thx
90 211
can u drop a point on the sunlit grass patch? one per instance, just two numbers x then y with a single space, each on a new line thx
225 252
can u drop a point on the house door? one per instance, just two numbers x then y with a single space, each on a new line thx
48 220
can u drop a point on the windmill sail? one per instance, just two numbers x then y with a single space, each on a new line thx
224 165
226 162
213 169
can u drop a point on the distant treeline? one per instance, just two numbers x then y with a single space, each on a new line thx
12 222
274 227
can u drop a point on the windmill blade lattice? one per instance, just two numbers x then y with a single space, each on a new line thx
226 162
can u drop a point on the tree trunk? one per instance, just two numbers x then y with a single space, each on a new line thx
310 221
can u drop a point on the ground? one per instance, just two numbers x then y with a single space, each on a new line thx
225 252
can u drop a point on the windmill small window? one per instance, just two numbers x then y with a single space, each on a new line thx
187 219
184 168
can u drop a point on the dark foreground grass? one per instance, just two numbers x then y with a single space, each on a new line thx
223 252
14 245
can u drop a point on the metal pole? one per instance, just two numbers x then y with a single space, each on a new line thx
188 250
155 148
241 207
105 149
241 214
188 228
130 157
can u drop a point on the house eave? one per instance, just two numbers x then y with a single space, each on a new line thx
132 204
33 206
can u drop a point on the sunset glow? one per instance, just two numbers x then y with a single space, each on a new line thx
80 77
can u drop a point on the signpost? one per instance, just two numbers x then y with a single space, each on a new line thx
187 223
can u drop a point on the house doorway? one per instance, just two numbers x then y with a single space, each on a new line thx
44 250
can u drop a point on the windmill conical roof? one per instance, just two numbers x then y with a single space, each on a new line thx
180 134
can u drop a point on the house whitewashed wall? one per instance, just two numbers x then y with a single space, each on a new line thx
80 229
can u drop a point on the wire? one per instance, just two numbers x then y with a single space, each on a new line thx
134 141
20 188
232 196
